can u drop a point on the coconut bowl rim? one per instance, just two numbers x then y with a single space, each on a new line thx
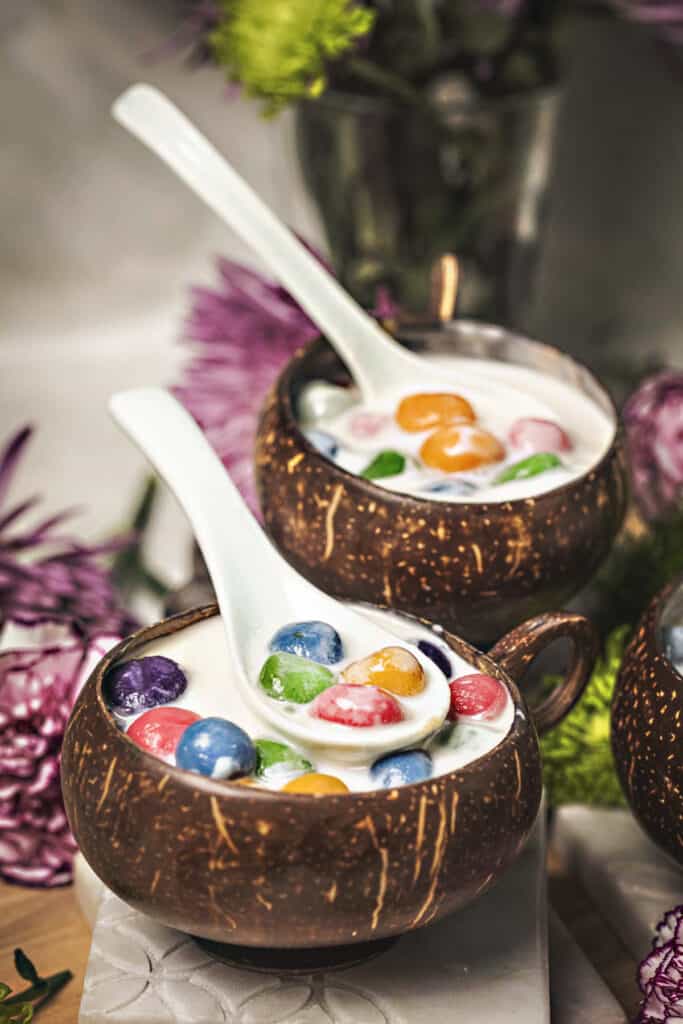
283 392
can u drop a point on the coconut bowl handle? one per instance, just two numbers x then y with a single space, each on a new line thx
517 649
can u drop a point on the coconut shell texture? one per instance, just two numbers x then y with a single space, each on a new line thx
253 867
478 569
647 731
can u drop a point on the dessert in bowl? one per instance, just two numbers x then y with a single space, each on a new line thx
475 507
312 671
278 863
647 721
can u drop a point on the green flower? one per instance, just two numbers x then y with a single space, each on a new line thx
278 49
578 766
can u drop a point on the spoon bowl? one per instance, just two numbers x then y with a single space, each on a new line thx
258 591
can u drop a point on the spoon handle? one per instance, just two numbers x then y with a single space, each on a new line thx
371 355
236 551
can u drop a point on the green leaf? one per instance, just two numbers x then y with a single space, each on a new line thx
143 513
525 468
18 1013
387 463
25 968
4 991
128 571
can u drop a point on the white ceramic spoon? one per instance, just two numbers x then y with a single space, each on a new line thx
377 363
256 589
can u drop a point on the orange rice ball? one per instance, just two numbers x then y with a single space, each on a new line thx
392 668
426 410
453 449
315 783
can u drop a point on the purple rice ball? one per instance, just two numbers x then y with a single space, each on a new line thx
143 683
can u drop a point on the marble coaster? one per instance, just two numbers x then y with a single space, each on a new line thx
630 880
488 963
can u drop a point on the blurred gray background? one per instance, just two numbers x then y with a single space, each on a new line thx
610 282
98 243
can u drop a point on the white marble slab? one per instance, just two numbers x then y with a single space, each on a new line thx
630 880
487 964
578 995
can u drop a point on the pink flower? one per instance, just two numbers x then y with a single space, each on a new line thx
661 973
243 333
37 690
653 417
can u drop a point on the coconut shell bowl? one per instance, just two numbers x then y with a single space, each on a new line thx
294 881
647 721
478 569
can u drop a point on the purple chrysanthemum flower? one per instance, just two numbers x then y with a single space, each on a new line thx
37 691
46 576
243 333
653 418
661 973
60 611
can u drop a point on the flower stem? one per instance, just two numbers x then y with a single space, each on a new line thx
129 572
42 991
371 73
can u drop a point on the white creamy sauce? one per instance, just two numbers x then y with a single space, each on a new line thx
201 651
500 394
422 707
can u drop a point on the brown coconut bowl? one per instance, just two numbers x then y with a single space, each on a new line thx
253 867
647 726
478 569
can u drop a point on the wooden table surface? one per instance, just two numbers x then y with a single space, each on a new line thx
51 930
49 927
